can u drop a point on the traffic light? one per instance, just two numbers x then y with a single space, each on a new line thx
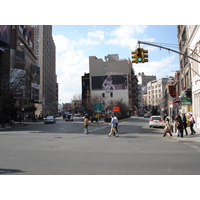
136 56
144 55
139 56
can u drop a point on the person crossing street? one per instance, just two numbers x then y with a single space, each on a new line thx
113 126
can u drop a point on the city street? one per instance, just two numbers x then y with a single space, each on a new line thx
63 149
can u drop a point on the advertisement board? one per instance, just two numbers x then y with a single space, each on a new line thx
110 82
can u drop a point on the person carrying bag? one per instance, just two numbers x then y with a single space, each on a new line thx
167 128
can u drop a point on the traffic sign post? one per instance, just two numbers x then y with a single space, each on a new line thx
177 101
98 107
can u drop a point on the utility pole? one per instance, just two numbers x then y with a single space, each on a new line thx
161 47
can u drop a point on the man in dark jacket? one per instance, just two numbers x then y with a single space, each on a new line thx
184 120
180 124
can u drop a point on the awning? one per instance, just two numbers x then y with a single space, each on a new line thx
187 93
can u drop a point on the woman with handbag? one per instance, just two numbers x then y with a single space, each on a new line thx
167 128
192 121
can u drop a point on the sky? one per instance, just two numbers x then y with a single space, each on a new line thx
75 43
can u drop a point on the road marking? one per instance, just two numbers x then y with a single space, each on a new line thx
99 128
195 147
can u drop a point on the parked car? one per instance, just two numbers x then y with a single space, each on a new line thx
69 117
49 119
147 115
156 121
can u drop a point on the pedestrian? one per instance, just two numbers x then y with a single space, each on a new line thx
113 127
167 128
184 120
116 120
179 125
192 122
86 124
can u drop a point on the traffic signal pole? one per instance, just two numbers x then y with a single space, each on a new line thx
161 47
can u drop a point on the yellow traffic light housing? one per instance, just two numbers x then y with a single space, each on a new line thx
144 56
139 56
134 56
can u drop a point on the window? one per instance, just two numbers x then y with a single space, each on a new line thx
111 94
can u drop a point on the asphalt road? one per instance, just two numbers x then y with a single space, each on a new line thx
63 149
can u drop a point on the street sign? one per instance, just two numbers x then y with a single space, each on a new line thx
177 101
98 106
186 101
97 115
116 109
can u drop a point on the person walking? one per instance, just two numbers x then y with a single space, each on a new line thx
184 120
192 122
116 120
179 125
167 128
113 127
86 124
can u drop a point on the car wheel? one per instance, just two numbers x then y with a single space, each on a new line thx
149 126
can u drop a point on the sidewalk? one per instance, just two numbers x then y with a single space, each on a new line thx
187 138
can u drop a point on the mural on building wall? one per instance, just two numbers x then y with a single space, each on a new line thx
110 82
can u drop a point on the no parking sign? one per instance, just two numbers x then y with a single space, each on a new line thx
177 101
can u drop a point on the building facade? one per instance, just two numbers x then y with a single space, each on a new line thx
19 73
46 58
142 89
156 95
189 45
113 80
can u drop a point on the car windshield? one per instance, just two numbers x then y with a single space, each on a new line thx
49 117
156 118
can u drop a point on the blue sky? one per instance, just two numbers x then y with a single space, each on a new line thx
75 43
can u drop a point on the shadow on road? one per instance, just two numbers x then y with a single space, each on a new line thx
9 171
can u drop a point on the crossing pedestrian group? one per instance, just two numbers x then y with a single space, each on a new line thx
180 123
113 124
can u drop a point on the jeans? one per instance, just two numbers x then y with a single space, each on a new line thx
86 130
192 129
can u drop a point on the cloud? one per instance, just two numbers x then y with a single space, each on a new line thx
70 66
97 34
87 41
160 68
62 43
125 36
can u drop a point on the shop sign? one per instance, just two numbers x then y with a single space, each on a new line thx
186 101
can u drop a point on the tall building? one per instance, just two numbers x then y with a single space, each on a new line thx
46 59
144 79
156 94
19 73
189 45
113 79
142 89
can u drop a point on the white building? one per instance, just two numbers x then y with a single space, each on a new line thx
113 79
156 94
189 44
